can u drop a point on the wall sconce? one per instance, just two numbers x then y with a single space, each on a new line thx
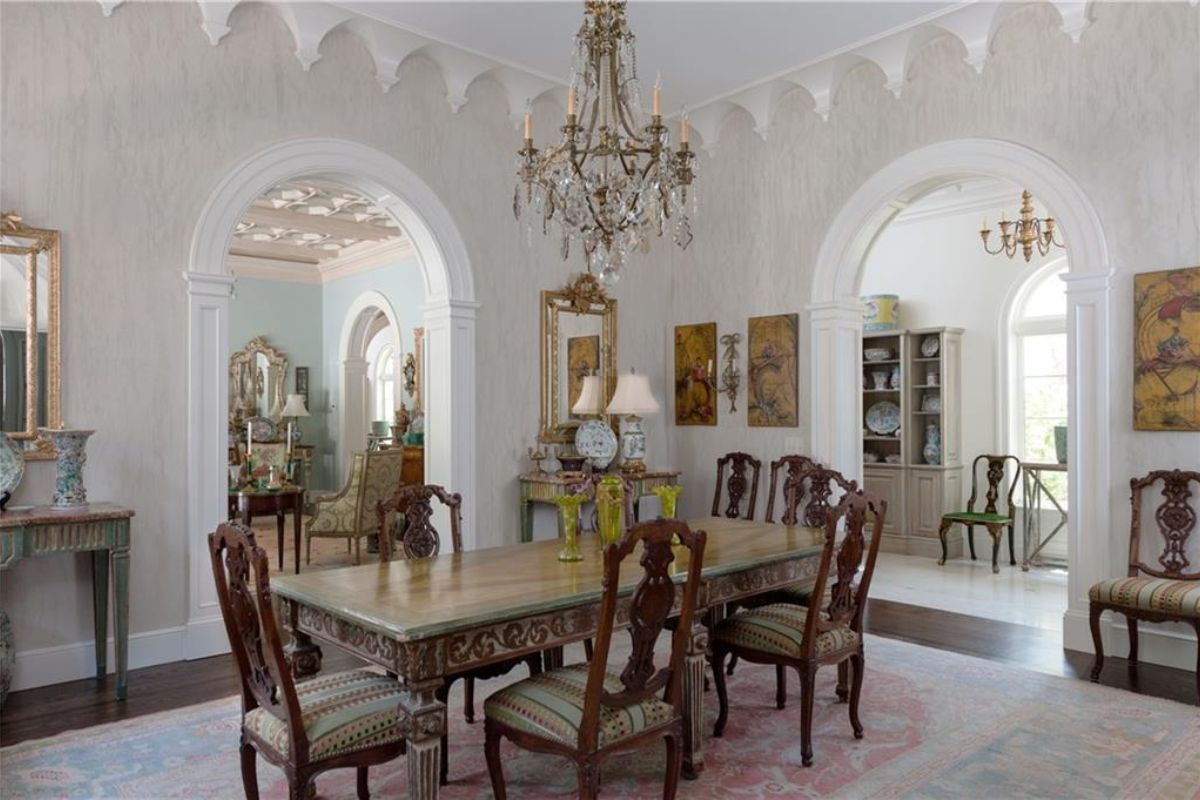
731 376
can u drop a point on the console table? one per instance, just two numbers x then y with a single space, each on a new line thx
101 529
544 487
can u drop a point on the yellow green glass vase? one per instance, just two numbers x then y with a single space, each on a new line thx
568 509
610 508
668 496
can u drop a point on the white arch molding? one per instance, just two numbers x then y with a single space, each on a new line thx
352 396
835 320
448 317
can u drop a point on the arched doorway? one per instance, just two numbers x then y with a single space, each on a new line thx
358 328
448 319
836 329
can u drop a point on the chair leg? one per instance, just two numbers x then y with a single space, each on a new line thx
1196 625
1132 624
808 681
971 540
534 662
357 551
469 699
943 530
674 765
364 792
1012 547
780 687
491 750
718 671
298 786
588 649
843 684
997 533
733 661
249 770
1094 612
589 780
857 666
308 549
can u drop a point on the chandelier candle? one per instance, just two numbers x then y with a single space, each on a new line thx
612 181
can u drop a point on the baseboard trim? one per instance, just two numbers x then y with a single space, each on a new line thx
72 662
1165 644
205 637
920 546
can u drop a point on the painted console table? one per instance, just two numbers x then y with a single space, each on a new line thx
101 529
544 487
1036 491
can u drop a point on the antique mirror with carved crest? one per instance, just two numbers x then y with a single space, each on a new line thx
257 378
30 355
579 338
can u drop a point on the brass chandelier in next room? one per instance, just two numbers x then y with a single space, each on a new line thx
612 181
1026 232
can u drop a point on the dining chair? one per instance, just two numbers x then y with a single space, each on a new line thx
588 712
796 466
805 637
737 485
344 719
1167 592
350 514
990 517
420 539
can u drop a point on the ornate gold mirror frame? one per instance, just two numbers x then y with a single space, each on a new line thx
243 367
584 295
18 239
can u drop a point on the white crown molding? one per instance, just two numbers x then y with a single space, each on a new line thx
990 198
365 259
974 24
273 269
361 259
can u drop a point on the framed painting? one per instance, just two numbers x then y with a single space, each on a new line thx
1166 350
302 384
583 359
773 383
695 384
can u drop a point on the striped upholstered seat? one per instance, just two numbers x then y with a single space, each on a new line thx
550 706
1176 598
342 712
778 629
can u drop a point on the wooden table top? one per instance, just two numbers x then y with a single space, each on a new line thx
21 517
410 600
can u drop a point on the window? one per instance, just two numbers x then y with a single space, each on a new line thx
1038 372
384 378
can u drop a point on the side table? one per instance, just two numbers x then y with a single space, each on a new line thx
253 502
101 529
1035 490
544 487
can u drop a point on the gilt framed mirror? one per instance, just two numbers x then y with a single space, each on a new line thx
257 382
579 338
30 341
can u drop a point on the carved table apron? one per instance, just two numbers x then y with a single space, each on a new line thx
101 529
428 619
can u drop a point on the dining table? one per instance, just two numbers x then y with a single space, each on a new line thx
424 620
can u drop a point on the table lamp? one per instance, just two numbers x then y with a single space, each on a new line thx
632 399
594 438
293 408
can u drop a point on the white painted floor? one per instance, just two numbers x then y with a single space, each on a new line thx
1036 598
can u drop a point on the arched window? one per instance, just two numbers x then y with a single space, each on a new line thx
385 384
1037 374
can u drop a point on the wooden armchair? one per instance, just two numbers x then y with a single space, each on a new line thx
587 712
990 517
806 638
344 719
1167 592
420 539
737 485
350 514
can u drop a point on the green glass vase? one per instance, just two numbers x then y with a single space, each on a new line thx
668 496
610 508
568 509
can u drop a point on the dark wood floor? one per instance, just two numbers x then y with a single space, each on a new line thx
37 713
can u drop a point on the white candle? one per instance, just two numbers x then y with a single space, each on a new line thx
249 438
658 96
710 372
289 447
528 126
683 131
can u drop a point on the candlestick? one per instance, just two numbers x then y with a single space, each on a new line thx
289 447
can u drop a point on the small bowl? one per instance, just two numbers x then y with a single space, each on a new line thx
571 463
894 458
877 354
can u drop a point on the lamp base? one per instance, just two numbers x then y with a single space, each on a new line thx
633 445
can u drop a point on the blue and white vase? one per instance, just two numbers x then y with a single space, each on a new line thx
933 444
70 456
12 466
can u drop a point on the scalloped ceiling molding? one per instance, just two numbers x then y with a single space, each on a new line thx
974 24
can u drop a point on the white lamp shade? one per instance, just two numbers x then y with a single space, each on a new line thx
591 397
294 406
633 396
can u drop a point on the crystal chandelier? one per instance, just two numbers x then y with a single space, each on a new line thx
1027 232
612 181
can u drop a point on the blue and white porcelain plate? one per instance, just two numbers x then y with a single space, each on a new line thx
883 418
596 441
12 463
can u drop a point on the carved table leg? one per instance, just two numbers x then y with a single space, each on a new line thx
301 652
552 658
100 609
693 701
120 562
423 718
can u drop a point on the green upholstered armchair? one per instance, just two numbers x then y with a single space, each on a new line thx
350 514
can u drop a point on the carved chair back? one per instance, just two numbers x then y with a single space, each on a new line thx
1176 520
737 485
996 465
838 578
421 539
649 609
818 484
244 592
587 485
796 466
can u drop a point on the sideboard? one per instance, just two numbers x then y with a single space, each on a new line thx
544 487
101 529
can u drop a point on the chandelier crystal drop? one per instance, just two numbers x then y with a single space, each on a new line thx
612 182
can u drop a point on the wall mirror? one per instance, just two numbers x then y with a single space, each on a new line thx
30 349
579 338
257 382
